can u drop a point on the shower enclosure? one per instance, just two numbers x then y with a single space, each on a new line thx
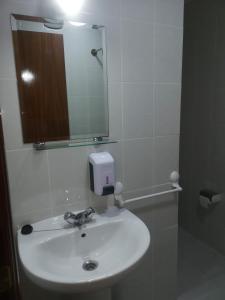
202 153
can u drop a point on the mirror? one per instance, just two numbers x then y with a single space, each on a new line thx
62 79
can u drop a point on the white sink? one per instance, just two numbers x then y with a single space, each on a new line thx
53 258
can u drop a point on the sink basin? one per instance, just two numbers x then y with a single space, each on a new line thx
58 257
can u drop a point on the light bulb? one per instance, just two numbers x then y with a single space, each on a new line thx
27 76
78 24
70 7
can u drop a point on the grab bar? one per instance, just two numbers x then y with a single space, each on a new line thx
174 189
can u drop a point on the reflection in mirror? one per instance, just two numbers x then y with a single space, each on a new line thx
62 79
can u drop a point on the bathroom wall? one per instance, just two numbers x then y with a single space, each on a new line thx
144 41
202 154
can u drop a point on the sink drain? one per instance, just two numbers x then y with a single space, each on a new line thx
90 265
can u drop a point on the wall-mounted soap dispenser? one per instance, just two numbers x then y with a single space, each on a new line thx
102 173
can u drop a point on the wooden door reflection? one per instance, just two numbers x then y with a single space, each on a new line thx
41 79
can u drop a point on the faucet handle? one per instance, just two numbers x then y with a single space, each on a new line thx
67 215
86 214
90 210
80 218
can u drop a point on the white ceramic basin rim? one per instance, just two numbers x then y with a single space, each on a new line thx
54 259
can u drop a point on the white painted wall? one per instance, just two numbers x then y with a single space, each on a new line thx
144 39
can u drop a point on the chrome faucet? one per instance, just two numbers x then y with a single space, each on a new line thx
80 218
